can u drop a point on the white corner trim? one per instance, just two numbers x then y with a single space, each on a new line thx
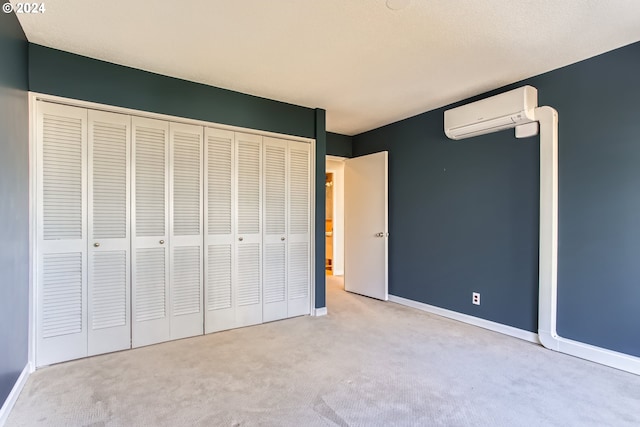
465 318
322 311
603 356
15 392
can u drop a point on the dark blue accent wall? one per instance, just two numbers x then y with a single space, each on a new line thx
321 147
339 145
65 74
14 203
464 215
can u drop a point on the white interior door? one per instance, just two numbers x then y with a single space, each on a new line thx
186 230
150 219
61 312
299 225
219 222
274 282
109 232
247 283
366 225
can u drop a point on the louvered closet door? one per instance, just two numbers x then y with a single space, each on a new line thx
274 267
247 282
61 312
299 235
150 229
186 230
219 220
109 232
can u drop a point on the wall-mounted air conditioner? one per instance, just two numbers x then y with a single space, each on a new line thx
503 111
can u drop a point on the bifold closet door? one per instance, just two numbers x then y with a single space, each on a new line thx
61 278
299 229
109 142
185 238
248 254
219 223
274 284
150 229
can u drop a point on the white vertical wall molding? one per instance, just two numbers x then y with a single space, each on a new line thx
14 394
465 318
548 269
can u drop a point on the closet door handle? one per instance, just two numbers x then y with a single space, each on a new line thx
241 238
96 244
161 242
282 238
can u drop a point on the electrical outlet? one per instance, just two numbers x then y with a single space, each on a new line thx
476 298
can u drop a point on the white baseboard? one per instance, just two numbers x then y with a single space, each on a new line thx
13 396
322 311
476 321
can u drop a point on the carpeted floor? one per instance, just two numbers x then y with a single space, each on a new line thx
368 363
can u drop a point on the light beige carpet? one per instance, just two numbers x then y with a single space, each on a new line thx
368 363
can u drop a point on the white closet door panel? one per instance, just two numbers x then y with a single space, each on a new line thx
248 285
299 236
61 278
274 282
150 228
249 186
220 307
248 261
275 230
220 158
219 224
186 230
299 273
151 162
186 143
109 284
186 292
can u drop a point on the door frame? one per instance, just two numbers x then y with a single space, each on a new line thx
34 97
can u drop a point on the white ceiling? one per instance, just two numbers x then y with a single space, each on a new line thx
365 64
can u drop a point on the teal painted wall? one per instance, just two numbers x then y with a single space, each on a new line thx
339 145
65 74
463 216
14 203
321 146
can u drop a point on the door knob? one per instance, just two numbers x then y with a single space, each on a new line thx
162 242
96 244
241 238
282 238
379 234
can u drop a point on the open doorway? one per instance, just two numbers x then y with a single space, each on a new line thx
334 216
328 226
334 224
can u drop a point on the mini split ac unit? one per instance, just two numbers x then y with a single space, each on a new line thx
503 111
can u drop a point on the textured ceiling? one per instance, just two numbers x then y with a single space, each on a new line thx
365 64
